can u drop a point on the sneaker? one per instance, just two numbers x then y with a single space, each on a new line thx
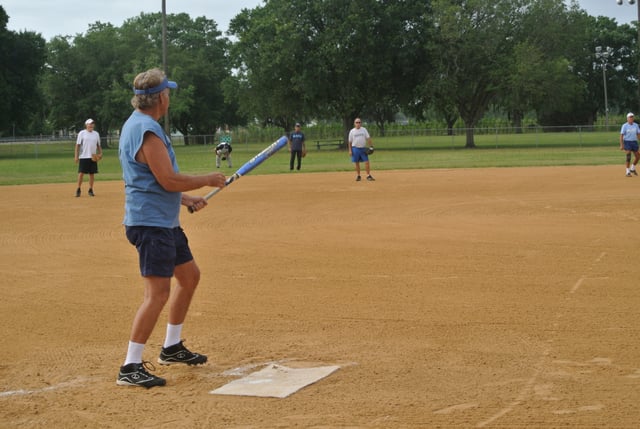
91 194
634 172
135 374
178 353
358 179
370 178
77 192
628 174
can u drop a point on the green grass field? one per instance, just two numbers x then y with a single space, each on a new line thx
30 163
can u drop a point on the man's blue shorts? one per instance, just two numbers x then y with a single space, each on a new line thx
631 145
359 154
160 249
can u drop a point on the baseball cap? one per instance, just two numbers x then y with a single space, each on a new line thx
297 124
630 115
88 121
166 83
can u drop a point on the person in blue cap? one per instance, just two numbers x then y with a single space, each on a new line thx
629 136
154 190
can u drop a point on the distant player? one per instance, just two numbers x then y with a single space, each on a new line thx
223 150
87 145
359 138
297 147
629 136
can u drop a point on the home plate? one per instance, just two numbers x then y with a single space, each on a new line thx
275 381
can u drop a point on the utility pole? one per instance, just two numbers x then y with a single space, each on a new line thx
165 67
603 55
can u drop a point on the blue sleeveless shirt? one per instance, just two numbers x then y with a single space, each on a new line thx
146 201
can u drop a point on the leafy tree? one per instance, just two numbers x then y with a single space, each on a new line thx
197 57
328 58
271 56
91 74
541 74
474 50
22 58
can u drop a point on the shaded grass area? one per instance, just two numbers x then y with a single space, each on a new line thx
30 163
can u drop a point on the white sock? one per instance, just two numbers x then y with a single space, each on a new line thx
173 334
633 167
134 353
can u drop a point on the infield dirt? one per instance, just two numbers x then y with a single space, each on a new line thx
450 298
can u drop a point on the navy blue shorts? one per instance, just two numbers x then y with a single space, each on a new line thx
160 249
631 145
359 154
87 166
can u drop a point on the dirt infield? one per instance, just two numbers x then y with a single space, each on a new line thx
450 298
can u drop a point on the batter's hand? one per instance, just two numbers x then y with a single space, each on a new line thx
196 203
216 180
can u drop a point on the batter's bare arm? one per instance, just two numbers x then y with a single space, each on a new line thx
155 155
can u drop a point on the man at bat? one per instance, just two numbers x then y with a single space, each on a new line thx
154 190
248 166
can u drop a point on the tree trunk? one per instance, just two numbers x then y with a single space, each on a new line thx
470 140
450 124
517 120
347 124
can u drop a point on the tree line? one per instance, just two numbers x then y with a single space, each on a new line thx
290 61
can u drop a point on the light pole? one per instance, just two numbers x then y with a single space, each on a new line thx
632 2
165 67
603 55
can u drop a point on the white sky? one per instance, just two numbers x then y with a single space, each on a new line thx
623 14
70 17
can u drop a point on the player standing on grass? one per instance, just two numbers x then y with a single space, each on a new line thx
297 147
629 136
358 139
223 149
153 195
87 145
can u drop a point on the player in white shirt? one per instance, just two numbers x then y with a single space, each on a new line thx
358 139
87 145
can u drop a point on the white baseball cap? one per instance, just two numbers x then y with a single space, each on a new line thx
88 121
630 115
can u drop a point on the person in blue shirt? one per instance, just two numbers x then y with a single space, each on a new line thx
154 190
629 136
297 147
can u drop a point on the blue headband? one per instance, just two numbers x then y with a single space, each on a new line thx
166 83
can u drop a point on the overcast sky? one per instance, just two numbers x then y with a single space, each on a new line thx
70 17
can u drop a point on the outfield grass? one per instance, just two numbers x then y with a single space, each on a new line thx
53 162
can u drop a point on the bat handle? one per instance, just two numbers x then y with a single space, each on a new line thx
209 195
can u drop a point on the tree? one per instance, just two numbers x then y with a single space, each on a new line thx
198 61
22 58
474 50
91 74
272 54
327 58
